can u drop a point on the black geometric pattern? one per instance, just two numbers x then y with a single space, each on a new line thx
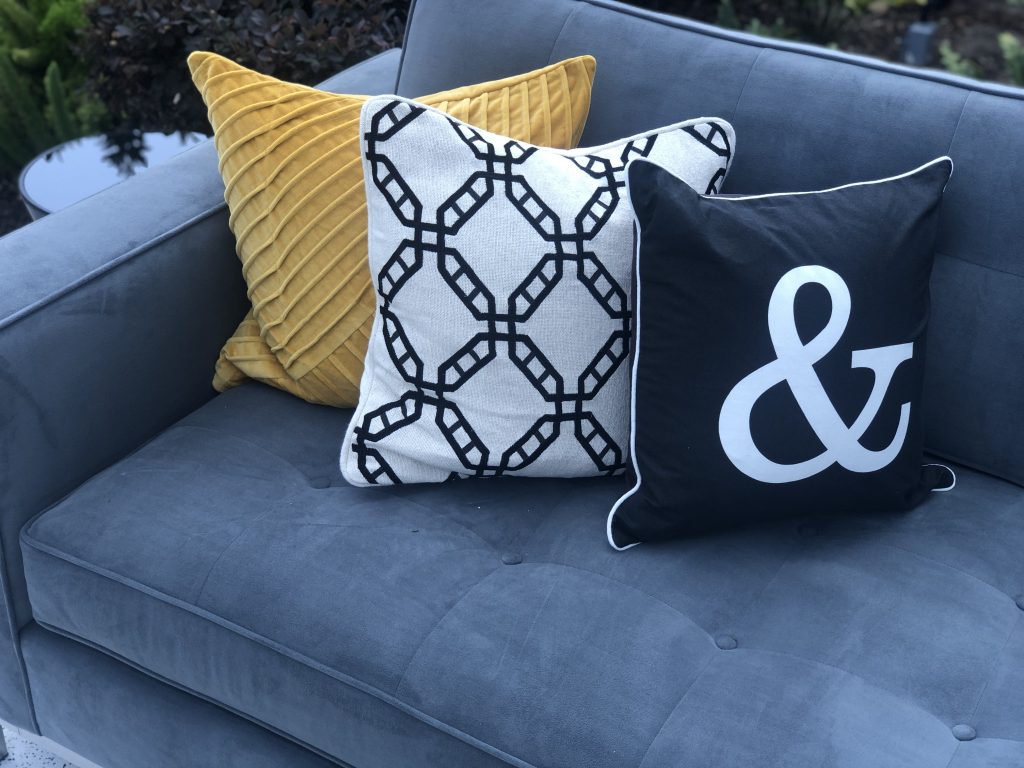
497 182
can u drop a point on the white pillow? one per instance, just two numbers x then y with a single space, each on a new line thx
502 272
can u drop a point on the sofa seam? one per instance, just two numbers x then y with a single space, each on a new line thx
220 555
365 63
487 546
952 757
437 625
959 119
406 34
633 588
561 30
183 425
746 81
796 547
806 49
1007 739
898 696
994 667
675 707
260 639
979 264
949 567
803 548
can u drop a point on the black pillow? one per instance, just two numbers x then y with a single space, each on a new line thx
779 353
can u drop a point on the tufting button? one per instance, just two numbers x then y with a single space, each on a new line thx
964 732
726 642
512 558
320 482
1019 600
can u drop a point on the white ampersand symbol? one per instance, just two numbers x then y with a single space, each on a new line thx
794 364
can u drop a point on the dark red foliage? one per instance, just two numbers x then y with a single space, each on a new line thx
136 49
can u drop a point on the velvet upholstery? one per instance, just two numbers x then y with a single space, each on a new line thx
488 620
111 315
83 696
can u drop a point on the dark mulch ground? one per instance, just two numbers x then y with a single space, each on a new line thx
970 26
12 210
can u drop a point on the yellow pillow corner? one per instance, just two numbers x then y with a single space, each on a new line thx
289 156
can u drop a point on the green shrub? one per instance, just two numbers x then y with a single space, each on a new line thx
40 99
817 20
728 18
1013 55
136 49
879 6
955 63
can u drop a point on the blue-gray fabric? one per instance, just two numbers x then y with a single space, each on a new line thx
98 349
479 621
805 119
111 316
118 717
488 623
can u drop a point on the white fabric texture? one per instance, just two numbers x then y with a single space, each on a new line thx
502 272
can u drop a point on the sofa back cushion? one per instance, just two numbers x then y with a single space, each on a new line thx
805 118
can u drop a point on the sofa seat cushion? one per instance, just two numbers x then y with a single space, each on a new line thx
489 623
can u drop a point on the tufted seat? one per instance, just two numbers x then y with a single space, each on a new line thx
489 623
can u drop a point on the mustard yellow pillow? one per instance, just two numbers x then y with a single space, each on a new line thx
290 160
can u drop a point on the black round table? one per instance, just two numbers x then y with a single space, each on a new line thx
77 169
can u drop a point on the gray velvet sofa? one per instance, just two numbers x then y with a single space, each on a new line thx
187 581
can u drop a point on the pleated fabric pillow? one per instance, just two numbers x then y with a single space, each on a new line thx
289 156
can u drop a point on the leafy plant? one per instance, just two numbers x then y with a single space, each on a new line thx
40 104
727 17
955 63
777 28
136 49
879 6
1013 55
818 20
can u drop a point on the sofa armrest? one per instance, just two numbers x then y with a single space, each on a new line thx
112 313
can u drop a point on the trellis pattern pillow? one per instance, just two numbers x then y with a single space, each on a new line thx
502 273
